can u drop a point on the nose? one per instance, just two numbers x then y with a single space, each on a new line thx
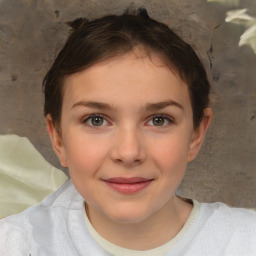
128 147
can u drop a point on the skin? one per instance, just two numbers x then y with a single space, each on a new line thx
129 143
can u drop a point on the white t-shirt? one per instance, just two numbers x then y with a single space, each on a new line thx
159 251
57 227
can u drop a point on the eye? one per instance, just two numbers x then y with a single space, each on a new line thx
160 120
96 120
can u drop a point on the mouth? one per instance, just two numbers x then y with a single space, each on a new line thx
128 185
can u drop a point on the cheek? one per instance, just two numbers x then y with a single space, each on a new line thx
170 154
85 156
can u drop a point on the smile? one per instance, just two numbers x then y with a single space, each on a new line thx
128 185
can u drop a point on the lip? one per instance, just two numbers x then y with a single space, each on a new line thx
128 185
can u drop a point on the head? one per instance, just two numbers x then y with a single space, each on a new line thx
126 107
95 41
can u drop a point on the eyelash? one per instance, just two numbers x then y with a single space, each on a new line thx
87 118
165 117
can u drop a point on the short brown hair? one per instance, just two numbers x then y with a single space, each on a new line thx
94 41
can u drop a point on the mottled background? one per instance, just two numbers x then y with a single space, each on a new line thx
32 32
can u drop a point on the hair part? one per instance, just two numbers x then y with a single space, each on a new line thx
91 42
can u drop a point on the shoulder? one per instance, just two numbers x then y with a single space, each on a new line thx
13 237
233 229
60 198
230 215
18 232
221 230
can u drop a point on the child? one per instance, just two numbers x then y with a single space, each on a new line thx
126 105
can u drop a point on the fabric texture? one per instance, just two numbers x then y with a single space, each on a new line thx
57 227
159 251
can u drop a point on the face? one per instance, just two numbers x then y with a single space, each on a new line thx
126 136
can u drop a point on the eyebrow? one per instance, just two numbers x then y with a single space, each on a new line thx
148 107
93 104
160 105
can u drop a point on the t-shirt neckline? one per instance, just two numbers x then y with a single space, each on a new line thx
158 251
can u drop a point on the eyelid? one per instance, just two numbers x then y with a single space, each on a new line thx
88 117
167 117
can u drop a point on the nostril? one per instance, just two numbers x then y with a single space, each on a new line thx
129 163
127 148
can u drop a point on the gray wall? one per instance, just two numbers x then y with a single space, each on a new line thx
32 32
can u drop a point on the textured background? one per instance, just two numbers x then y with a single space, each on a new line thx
32 32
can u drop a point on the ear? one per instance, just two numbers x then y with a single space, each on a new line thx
199 134
56 140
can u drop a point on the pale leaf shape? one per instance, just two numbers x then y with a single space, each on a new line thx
249 38
239 17
242 18
25 176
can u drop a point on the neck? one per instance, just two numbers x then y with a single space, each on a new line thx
150 233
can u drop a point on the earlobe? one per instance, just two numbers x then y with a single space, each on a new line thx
199 134
56 140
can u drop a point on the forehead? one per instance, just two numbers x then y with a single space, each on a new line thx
126 79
